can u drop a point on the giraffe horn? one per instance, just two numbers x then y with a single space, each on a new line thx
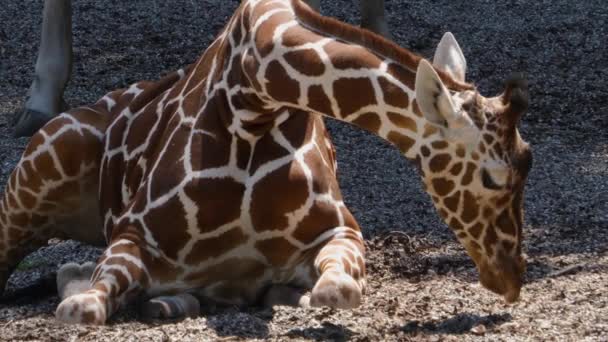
516 98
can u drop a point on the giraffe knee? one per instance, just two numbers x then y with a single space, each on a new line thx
170 307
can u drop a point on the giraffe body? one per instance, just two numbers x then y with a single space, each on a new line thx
219 180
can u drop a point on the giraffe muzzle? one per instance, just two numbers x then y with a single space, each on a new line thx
505 279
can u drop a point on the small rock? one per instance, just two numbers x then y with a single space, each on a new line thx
479 329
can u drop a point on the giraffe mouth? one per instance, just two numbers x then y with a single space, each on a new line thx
505 280
512 296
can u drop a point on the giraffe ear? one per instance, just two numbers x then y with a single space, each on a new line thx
432 96
449 57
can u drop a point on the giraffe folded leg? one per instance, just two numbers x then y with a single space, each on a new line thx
341 266
170 307
120 276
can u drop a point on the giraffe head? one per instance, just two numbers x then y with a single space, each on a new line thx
475 164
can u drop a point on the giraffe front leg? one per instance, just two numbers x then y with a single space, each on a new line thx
120 275
340 263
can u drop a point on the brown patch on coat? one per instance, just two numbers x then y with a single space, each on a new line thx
266 150
45 166
321 217
460 151
306 62
452 201
170 171
276 250
439 162
468 175
429 130
439 144
168 226
505 224
393 95
368 121
352 94
402 121
425 151
318 100
280 85
345 56
298 36
456 169
216 246
490 240
455 224
470 208
264 36
443 186
476 230
403 142
416 110
270 202
218 201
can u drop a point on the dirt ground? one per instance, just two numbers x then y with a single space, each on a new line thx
422 286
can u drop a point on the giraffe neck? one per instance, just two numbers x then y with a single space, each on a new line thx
293 59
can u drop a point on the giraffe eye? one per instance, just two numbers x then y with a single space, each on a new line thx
488 182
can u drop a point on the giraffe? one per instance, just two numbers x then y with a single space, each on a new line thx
220 180
54 62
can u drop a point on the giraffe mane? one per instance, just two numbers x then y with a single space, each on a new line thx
370 40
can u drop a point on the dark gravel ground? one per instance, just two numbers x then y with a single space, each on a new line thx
422 285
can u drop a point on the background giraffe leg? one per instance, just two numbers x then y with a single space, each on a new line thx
52 192
373 17
341 266
53 69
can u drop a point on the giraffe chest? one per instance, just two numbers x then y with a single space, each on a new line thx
206 199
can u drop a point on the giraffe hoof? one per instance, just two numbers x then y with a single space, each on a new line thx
84 308
29 122
171 307
337 290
